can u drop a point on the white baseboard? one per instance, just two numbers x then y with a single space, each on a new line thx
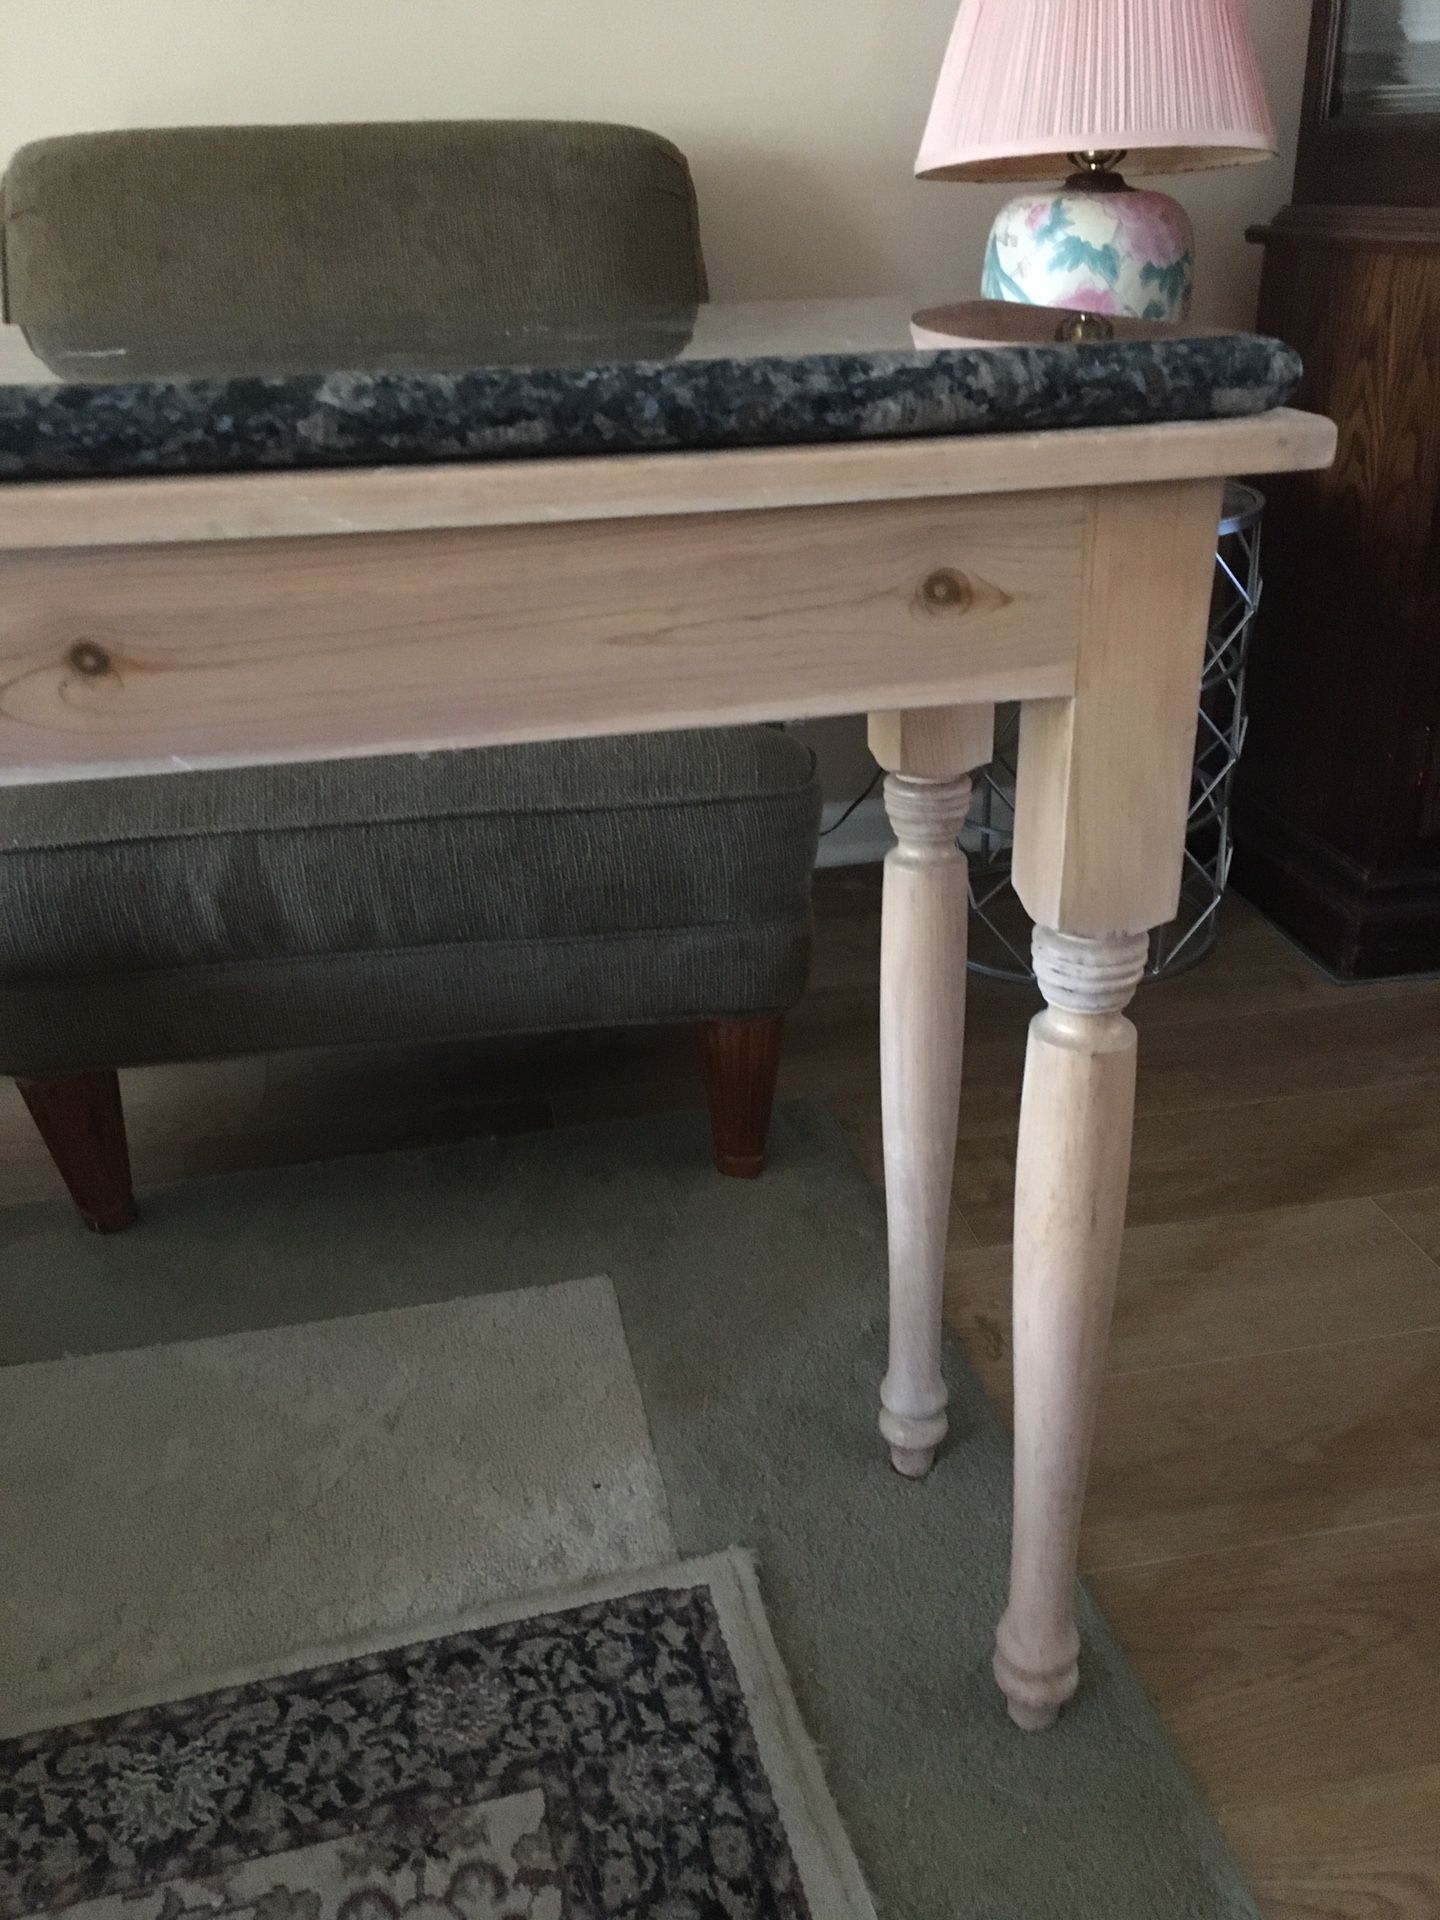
864 839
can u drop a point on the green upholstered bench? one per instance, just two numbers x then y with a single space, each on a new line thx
511 890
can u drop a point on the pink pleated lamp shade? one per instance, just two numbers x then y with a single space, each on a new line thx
1173 84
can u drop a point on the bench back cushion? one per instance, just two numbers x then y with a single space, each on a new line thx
299 234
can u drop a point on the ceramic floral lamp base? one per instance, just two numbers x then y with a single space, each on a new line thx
1104 250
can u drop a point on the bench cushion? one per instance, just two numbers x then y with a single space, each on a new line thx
258 236
643 877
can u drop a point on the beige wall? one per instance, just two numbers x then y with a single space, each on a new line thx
801 117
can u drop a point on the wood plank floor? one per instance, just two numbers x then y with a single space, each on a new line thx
1264 1529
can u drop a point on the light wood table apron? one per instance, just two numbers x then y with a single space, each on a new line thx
153 625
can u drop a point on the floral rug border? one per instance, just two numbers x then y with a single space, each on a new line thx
626 1714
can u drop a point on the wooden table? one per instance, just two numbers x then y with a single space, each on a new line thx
151 625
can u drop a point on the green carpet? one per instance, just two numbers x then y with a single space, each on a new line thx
755 1320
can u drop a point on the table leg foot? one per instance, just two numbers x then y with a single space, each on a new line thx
1033 1694
911 1463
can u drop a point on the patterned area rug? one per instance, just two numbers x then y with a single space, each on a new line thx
623 1754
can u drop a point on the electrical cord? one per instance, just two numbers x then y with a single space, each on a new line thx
856 803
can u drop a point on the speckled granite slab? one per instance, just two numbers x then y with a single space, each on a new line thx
760 375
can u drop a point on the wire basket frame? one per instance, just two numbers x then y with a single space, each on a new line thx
999 926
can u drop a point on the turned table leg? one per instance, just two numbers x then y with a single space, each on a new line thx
922 1030
1102 796
1071 1173
922 1020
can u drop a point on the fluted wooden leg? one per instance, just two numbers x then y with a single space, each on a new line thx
922 1024
1072 1171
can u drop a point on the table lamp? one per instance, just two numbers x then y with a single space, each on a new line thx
1168 86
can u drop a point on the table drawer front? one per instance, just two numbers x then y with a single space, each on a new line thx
207 654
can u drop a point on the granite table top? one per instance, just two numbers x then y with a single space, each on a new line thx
709 377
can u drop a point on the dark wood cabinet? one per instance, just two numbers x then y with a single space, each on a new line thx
1338 803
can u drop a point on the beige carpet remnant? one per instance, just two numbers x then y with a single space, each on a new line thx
176 1514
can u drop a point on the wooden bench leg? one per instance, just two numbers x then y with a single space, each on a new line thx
82 1122
742 1061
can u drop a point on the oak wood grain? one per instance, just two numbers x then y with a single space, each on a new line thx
1294 1665
1242 1158
1417 1214
1239 1452
1225 1288
1365 1849
1315 1047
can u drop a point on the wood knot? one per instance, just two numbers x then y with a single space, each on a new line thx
946 591
89 659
